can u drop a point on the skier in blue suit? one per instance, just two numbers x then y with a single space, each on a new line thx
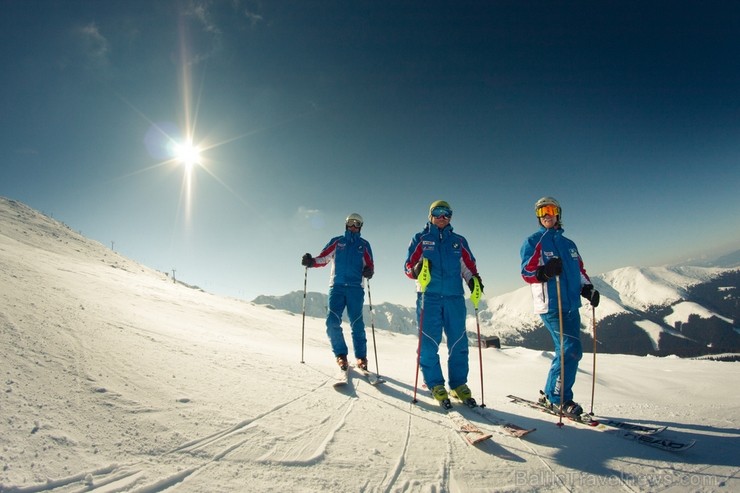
450 263
352 262
547 255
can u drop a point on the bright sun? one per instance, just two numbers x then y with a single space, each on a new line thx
187 154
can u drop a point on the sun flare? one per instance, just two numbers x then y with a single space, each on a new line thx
187 154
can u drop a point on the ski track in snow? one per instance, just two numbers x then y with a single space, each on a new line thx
299 447
396 471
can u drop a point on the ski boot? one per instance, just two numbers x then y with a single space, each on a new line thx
464 394
571 409
440 394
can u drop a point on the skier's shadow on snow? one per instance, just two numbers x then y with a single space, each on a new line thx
594 459
403 394
590 452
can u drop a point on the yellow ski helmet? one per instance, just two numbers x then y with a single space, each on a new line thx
438 203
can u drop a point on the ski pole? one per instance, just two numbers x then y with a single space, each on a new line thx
424 277
303 327
372 325
475 298
562 358
593 375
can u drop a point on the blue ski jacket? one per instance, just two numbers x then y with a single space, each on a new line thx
537 250
449 257
350 254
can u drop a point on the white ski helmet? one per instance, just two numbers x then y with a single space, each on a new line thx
548 201
354 217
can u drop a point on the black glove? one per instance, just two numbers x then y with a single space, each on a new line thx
551 269
367 272
471 283
591 294
419 265
308 260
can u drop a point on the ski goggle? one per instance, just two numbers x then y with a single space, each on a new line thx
442 212
548 210
354 223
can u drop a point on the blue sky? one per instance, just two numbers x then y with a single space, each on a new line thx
626 112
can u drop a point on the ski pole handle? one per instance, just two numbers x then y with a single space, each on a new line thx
475 293
424 275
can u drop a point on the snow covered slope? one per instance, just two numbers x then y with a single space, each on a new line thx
117 379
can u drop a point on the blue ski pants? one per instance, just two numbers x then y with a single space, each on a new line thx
352 298
572 353
442 314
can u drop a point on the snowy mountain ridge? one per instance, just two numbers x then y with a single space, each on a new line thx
643 287
657 301
689 310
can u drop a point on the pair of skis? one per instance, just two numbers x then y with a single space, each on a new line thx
645 435
471 433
